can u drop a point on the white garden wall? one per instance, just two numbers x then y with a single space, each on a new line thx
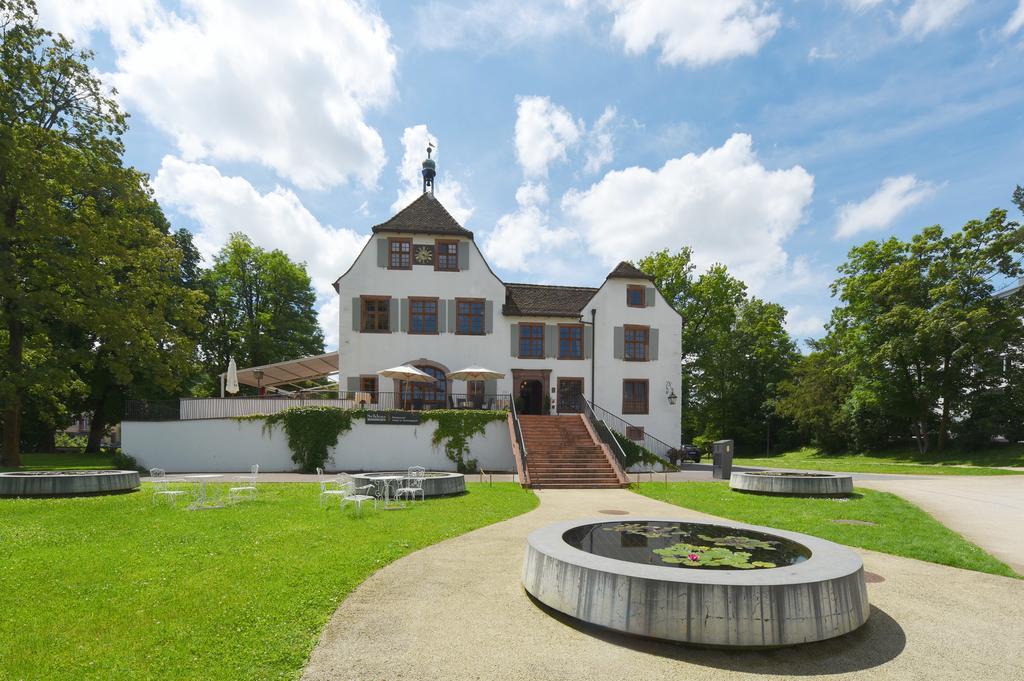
227 445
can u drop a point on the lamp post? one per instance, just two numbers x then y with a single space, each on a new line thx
258 375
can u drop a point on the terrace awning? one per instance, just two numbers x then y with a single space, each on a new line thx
291 371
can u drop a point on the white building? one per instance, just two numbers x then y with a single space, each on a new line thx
421 293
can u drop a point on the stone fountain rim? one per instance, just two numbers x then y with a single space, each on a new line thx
828 560
67 473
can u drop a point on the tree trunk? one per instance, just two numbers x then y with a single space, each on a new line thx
98 424
12 410
946 397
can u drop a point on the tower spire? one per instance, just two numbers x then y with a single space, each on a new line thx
429 170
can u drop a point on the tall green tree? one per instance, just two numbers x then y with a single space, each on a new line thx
260 310
919 331
735 350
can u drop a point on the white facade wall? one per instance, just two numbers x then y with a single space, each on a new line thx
366 353
228 445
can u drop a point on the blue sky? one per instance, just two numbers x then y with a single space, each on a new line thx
771 136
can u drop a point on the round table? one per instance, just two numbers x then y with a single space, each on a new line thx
201 501
386 480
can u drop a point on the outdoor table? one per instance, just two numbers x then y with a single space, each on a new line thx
386 480
201 501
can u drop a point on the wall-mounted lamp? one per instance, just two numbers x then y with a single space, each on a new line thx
670 393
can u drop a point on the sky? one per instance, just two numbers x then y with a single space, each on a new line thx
571 134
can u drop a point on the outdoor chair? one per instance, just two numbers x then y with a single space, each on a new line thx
325 487
162 489
413 484
236 493
354 494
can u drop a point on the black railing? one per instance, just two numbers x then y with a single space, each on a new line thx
662 451
189 408
520 440
604 433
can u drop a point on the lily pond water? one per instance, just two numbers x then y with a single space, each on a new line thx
686 545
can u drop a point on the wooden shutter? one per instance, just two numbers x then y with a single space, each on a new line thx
353 384
403 318
442 317
588 341
551 340
490 388
488 316
382 252
357 314
463 255
393 316
652 345
515 340
453 319
649 295
620 342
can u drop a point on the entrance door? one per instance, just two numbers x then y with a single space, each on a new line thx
570 395
531 393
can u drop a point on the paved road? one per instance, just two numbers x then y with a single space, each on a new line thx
456 610
987 510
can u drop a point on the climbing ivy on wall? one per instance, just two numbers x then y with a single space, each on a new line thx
638 454
456 427
311 432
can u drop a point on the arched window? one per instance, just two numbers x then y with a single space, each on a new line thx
426 395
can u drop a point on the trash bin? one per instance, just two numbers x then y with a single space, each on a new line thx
721 452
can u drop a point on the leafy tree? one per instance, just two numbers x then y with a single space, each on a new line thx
735 350
260 310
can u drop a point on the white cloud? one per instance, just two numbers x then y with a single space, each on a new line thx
489 24
693 33
878 211
524 233
862 5
79 19
449 191
221 205
724 203
1016 21
823 53
802 323
544 134
925 16
286 85
601 141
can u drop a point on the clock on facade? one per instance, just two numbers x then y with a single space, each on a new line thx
425 255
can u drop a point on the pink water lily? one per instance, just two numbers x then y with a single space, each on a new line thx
693 557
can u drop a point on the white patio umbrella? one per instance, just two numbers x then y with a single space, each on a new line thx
231 385
404 372
475 373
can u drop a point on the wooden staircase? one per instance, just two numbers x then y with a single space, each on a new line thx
562 453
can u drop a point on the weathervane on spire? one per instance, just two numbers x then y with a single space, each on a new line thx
429 170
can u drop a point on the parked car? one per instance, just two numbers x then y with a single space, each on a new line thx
690 453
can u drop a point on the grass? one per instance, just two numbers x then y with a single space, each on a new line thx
60 461
114 587
906 462
901 529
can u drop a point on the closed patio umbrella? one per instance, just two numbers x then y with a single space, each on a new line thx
475 373
231 385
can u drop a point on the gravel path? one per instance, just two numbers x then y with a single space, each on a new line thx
456 610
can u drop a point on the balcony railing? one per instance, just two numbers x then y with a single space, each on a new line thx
190 408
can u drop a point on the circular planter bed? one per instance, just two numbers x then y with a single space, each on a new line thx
730 585
793 484
66 483
435 484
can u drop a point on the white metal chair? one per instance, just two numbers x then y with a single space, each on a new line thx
236 493
356 495
325 487
162 487
413 484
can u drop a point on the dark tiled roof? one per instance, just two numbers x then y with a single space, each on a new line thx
546 301
625 270
425 215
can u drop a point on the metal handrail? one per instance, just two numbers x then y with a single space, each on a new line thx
605 434
520 440
658 448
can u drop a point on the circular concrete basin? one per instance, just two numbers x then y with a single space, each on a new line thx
435 484
66 483
793 484
699 583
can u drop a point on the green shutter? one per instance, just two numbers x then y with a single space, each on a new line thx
515 340
463 255
393 315
357 310
652 344
442 326
588 341
620 342
649 295
551 340
489 316
403 319
353 385
382 252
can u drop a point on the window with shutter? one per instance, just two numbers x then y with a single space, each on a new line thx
446 256
531 341
399 254
376 314
469 317
635 296
635 343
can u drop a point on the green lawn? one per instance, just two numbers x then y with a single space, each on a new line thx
903 461
114 587
902 529
59 461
